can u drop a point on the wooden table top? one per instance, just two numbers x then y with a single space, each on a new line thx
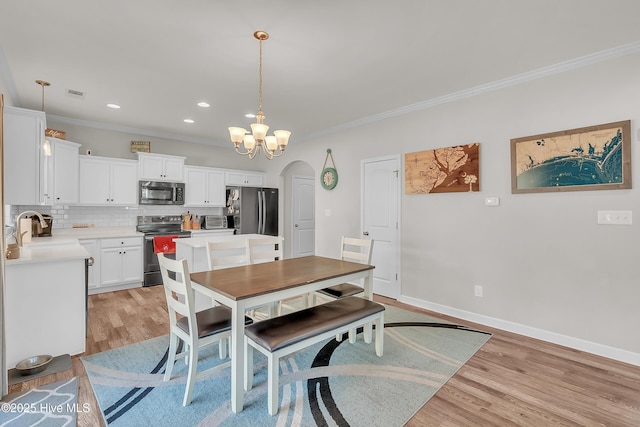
252 280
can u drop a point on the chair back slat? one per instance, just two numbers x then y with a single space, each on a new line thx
356 250
265 249
178 290
225 254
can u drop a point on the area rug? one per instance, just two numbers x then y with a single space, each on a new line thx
50 405
330 383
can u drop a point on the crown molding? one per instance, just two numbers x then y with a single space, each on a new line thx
572 64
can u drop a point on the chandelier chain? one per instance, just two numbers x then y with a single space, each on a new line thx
260 84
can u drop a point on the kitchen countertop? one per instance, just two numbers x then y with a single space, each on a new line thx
53 252
64 244
94 233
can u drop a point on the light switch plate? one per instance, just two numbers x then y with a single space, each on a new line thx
492 201
615 217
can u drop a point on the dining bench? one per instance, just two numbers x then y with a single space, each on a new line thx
283 335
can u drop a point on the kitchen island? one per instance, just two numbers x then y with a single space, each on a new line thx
45 300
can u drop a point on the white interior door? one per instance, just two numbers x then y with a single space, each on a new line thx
304 222
380 219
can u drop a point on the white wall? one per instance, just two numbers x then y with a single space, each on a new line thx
544 263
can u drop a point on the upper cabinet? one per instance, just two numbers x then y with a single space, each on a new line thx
23 156
160 167
108 181
250 179
204 186
62 181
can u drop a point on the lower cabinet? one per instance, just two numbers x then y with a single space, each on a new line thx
117 263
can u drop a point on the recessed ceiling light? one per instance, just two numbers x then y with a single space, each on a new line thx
189 121
114 106
250 116
203 104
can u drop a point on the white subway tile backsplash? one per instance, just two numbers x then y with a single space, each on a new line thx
107 216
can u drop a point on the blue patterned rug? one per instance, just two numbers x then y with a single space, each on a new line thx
330 383
50 405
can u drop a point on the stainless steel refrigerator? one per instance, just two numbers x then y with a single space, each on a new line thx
252 210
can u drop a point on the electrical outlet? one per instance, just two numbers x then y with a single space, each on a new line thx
477 290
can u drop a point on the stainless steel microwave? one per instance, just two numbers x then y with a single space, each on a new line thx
161 193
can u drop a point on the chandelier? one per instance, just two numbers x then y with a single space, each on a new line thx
258 140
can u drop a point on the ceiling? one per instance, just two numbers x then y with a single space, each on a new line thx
327 65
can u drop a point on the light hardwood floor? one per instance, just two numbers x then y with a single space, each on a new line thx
511 380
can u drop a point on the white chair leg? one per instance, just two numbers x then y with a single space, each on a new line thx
380 335
248 365
272 384
191 376
339 337
171 357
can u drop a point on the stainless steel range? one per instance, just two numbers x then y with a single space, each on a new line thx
152 226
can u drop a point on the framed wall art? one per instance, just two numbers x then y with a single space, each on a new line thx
590 158
443 170
140 146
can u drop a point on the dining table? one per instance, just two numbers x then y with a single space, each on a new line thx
246 287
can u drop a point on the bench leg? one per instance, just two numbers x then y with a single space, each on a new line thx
272 384
222 348
248 365
379 335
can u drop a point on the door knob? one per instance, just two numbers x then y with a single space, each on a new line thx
296 225
365 233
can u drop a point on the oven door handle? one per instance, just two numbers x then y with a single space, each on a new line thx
150 238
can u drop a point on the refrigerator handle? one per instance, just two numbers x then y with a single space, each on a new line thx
264 212
260 211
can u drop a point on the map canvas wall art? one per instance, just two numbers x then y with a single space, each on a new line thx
589 158
443 170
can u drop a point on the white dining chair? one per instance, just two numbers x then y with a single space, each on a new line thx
195 330
266 249
355 250
228 253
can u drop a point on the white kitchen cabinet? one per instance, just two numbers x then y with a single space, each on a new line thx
252 179
204 186
108 181
160 167
23 156
93 247
120 261
64 161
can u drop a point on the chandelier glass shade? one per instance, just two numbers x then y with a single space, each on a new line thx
258 140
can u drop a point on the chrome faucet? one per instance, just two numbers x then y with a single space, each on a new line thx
19 232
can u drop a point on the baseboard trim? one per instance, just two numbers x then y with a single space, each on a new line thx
517 328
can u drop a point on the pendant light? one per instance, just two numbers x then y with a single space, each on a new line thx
46 147
258 140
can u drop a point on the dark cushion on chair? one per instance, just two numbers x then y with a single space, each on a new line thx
211 321
342 290
282 331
